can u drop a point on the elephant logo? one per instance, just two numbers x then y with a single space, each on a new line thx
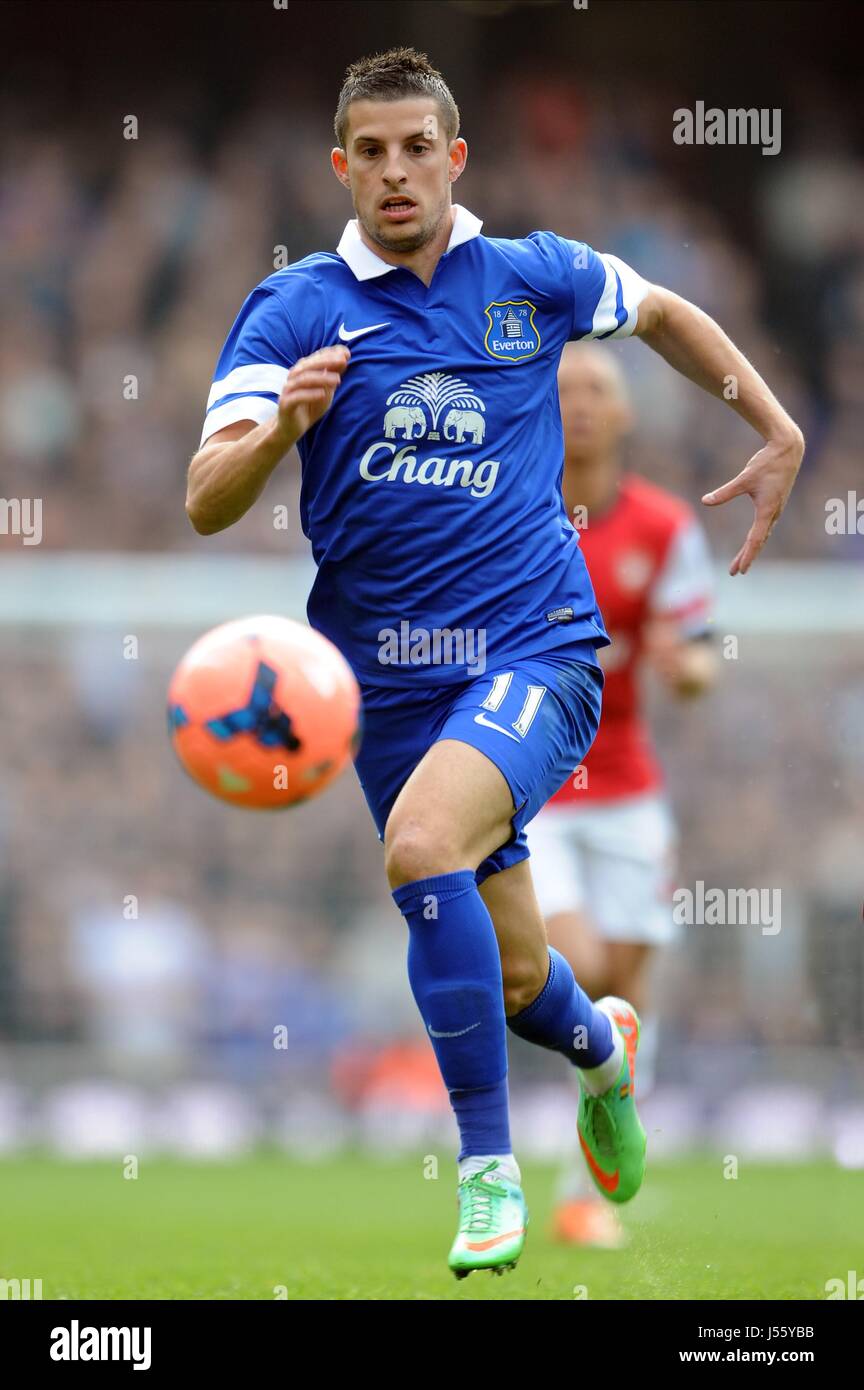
458 423
404 418
433 404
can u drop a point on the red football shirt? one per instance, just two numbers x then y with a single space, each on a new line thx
648 558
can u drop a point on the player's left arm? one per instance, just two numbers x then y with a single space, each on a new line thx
686 665
676 637
696 346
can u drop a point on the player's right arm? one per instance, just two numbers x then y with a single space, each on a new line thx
229 472
609 299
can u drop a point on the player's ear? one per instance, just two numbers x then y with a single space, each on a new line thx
458 157
339 165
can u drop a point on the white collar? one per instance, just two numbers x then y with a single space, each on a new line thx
366 265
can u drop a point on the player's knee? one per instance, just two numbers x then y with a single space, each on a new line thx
413 851
523 977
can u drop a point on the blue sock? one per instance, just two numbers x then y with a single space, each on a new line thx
563 1018
455 973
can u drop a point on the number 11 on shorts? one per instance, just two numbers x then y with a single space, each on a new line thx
497 695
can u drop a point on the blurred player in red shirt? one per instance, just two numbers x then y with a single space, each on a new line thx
602 849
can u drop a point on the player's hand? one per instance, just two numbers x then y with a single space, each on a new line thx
661 647
686 668
309 389
768 479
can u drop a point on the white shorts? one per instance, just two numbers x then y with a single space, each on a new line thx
614 861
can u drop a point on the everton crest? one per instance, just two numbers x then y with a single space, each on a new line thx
512 334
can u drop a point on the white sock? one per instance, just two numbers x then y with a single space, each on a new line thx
596 1080
507 1166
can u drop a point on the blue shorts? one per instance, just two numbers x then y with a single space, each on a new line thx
535 720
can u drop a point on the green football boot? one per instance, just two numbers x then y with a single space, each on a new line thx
493 1219
610 1132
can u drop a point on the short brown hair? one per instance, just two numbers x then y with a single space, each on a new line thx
390 76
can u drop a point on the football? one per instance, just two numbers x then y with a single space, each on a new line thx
264 712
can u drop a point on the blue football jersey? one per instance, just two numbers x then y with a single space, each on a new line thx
431 488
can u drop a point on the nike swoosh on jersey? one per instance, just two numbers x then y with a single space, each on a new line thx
458 1034
487 724
346 334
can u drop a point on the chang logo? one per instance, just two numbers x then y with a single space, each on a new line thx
383 462
434 407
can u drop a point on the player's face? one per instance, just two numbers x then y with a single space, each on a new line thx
594 413
399 167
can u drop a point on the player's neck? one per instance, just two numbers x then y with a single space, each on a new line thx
592 483
422 261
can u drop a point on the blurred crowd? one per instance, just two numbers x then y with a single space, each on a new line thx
124 262
144 922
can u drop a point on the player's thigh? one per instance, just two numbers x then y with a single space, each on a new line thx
453 811
556 862
398 729
628 861
558 872
534 721
515 912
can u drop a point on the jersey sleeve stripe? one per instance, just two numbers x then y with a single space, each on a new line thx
608 314
257 408
255 377
616 313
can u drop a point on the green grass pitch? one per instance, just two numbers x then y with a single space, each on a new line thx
352 1228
